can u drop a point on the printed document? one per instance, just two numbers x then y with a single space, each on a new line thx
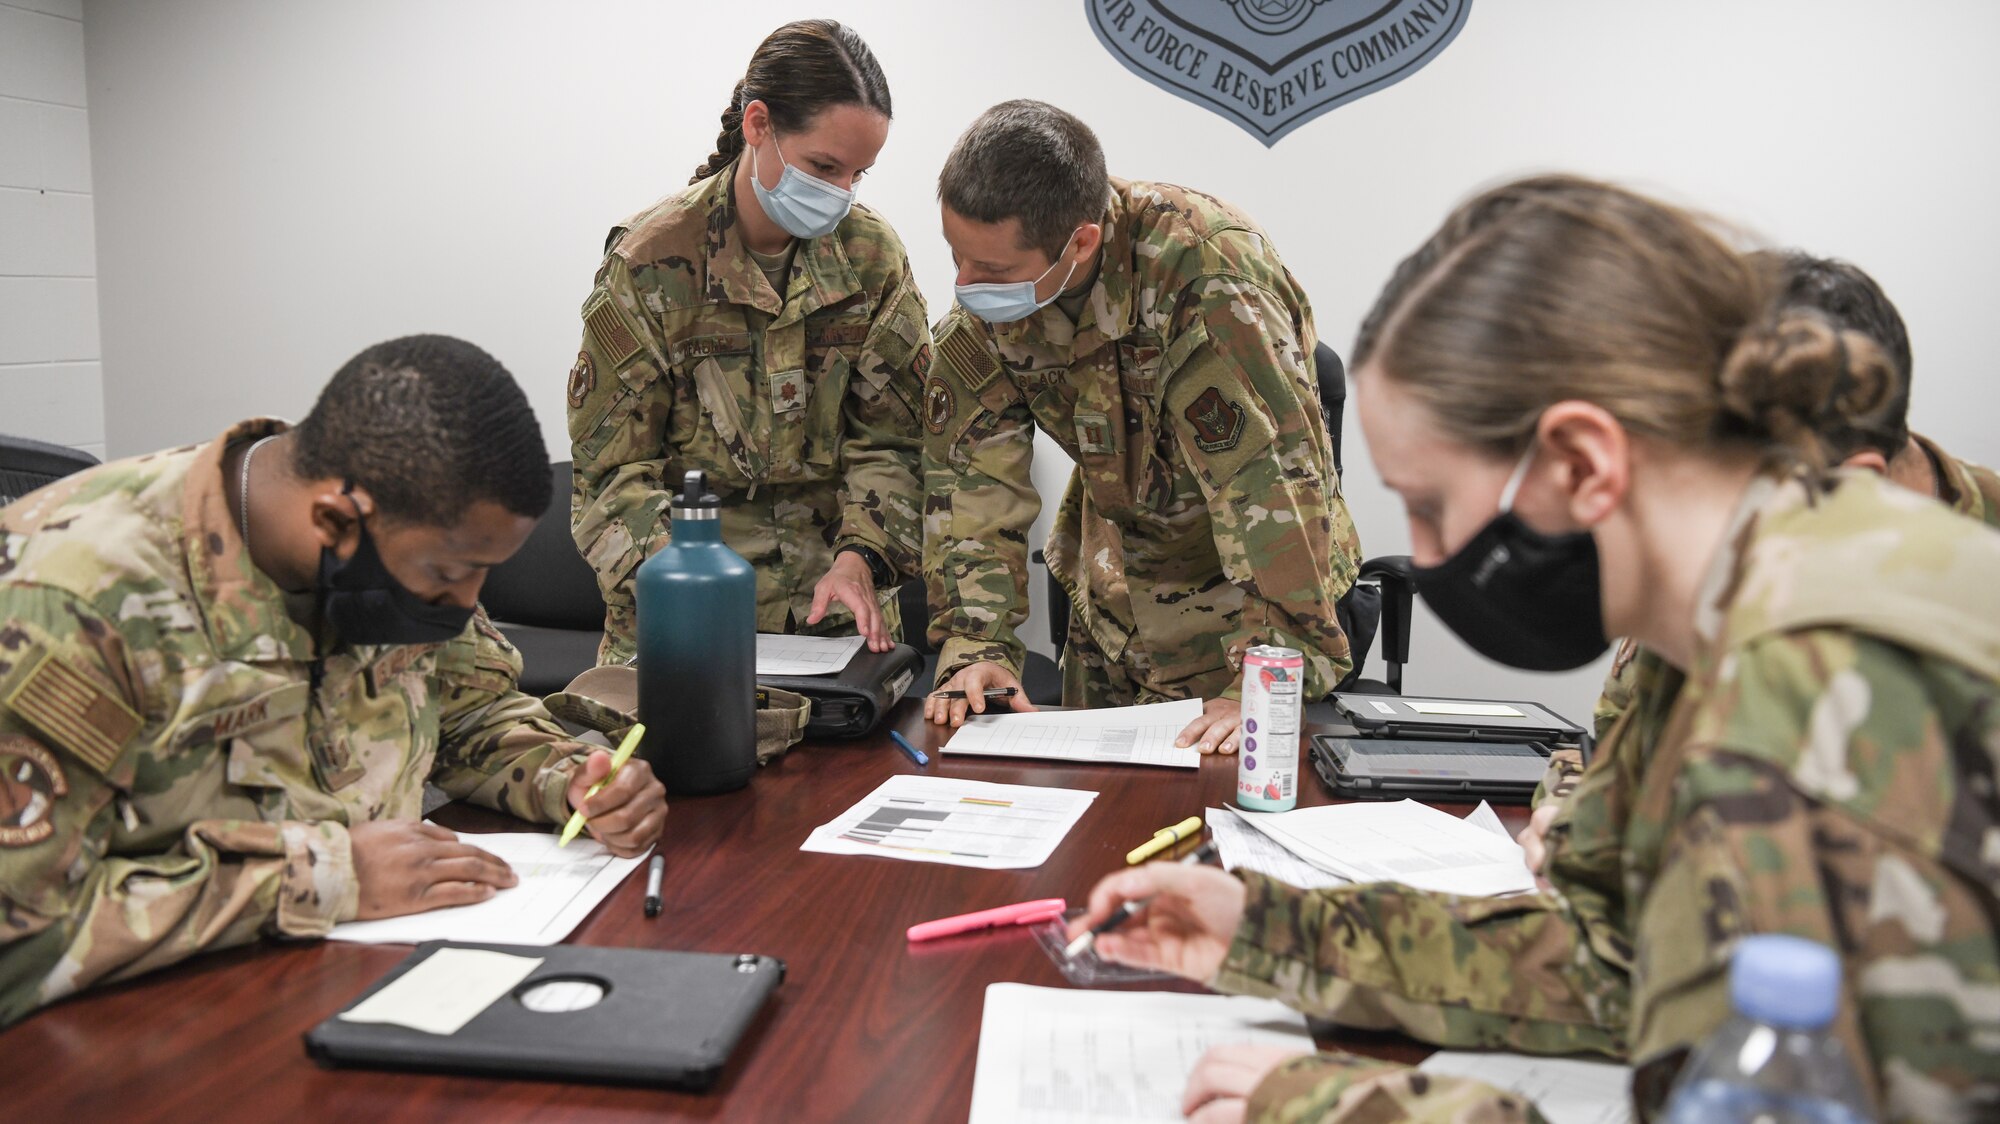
1567 1090
1120 735
558 888
778 654
1403 841
1050 1055
1242 847
961 823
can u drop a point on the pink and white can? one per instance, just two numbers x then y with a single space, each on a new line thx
1267 765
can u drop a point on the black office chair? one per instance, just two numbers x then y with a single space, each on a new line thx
1040 677
545 599
27 464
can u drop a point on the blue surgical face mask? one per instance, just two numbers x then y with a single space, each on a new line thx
803 206
1003 302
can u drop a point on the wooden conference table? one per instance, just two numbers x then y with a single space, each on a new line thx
865 1027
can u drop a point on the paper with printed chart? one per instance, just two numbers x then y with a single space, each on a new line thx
1111 735
1052 1055
558 888
957 822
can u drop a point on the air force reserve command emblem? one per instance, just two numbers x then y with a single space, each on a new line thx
1273 65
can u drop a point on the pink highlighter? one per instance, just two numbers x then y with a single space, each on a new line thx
1026 913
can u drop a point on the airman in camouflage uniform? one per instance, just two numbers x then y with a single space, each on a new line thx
800 406
1828 769
178 764
1204 515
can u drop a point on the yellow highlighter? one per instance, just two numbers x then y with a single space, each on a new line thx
618 760
1163 839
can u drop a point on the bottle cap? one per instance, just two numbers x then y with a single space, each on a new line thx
1787 982
695 500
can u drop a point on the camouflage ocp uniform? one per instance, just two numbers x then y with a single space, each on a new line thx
1204 514
1827 769
800 406
170 779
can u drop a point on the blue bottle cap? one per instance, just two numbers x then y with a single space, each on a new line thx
1787 982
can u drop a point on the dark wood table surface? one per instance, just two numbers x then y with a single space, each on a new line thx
865 1027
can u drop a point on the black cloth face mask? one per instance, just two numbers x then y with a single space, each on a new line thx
1520 597
367 605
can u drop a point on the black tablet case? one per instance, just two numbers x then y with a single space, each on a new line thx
1539 723
1327 764
668 1018
851 703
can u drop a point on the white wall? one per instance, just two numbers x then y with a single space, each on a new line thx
281 184
50 387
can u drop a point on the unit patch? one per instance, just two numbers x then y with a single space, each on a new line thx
788 391
582 379
1218 422
937 405
31 781
1093 433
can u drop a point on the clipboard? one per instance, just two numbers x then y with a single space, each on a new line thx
664 1018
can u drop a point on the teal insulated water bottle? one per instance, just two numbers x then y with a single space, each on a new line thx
698 653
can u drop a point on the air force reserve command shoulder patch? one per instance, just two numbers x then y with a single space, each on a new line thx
1273 65
31 781
582 379
937 404
1217 422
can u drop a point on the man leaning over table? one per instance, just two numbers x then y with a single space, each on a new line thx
227 670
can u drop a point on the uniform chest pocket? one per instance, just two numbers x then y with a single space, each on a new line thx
724 433
813 429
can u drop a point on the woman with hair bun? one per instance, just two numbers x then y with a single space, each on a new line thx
763 327
1601 422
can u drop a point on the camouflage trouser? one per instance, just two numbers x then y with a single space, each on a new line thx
1090 678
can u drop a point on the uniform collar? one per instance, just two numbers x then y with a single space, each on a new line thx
1955 487
242 609
1108 315
824 274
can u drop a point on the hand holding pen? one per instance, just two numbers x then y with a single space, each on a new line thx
1175 917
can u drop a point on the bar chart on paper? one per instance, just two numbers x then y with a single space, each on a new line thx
962 823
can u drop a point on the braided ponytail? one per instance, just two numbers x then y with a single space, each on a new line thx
729 142
798 70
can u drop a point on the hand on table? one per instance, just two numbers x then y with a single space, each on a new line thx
849 582
1218 730
1186 927
974 679
1218 1091
625 815
403 866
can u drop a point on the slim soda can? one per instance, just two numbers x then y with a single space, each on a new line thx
1267 766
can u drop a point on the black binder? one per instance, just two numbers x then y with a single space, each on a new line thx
852 702
666 1018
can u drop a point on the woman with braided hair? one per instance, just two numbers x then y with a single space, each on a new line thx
1602 421
763 327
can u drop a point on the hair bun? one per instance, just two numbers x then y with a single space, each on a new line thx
1799 381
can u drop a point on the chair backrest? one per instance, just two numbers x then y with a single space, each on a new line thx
27 464
547 584
1332 374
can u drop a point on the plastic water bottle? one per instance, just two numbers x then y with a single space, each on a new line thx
697 606
1776 1060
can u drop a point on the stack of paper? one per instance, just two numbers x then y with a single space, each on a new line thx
558 888
1405 842
779 654
1056 1056
1238 846
962 823
1120 735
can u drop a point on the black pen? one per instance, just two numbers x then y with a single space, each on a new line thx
1125 912
654 871
989 693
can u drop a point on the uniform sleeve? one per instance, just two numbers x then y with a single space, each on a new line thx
496 746
620 402
882 446
1345 1089
1513 973
979 502
73 915
1259 448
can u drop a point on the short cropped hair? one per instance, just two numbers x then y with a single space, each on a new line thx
427 425
1852 300
1028 160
